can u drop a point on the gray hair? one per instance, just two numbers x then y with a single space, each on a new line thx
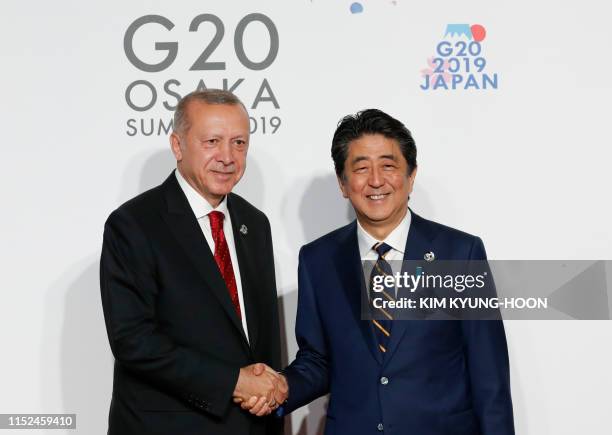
180 122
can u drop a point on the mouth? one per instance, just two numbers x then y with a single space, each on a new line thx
377 197
223 174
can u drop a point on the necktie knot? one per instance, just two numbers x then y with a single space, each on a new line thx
216 221
381 248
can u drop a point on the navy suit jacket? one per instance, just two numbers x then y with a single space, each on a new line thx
443 377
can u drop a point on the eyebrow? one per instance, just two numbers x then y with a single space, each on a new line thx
383 157
220 136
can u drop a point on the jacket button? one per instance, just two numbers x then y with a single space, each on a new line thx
384 380
380 427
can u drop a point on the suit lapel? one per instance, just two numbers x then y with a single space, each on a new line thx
350 272
246 252
185 228
417 244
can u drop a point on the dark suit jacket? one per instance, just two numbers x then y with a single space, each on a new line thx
177 341
443 377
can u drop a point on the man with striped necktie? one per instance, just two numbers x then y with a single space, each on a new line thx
395 377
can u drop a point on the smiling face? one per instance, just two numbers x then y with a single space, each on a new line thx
377 183
211 152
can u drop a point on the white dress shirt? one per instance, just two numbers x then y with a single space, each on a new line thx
396 239
201 208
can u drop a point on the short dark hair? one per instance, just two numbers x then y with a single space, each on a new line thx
371 121
180 122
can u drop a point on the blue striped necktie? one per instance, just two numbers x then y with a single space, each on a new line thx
382 326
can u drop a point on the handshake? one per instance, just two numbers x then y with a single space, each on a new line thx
260 389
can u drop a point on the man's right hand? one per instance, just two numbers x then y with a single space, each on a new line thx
260 389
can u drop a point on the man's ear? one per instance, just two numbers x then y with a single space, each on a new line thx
175 145
411 178
341 183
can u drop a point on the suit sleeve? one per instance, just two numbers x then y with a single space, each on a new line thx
308 374
274 425
129 292
488 366
274 336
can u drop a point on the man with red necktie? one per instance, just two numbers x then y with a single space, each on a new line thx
188 288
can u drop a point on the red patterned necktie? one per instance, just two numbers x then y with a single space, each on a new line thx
222 257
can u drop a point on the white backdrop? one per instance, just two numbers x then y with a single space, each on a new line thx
524 166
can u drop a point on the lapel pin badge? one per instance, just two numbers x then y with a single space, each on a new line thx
429 256
244 230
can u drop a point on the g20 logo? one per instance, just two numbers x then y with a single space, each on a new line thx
207 60
202 63
459 64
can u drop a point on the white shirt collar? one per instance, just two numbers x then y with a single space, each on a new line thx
396 239
200 206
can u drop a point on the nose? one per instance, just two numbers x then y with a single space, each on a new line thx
376 179
225 154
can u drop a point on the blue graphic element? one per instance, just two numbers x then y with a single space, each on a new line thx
356 8
459 64
458 30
